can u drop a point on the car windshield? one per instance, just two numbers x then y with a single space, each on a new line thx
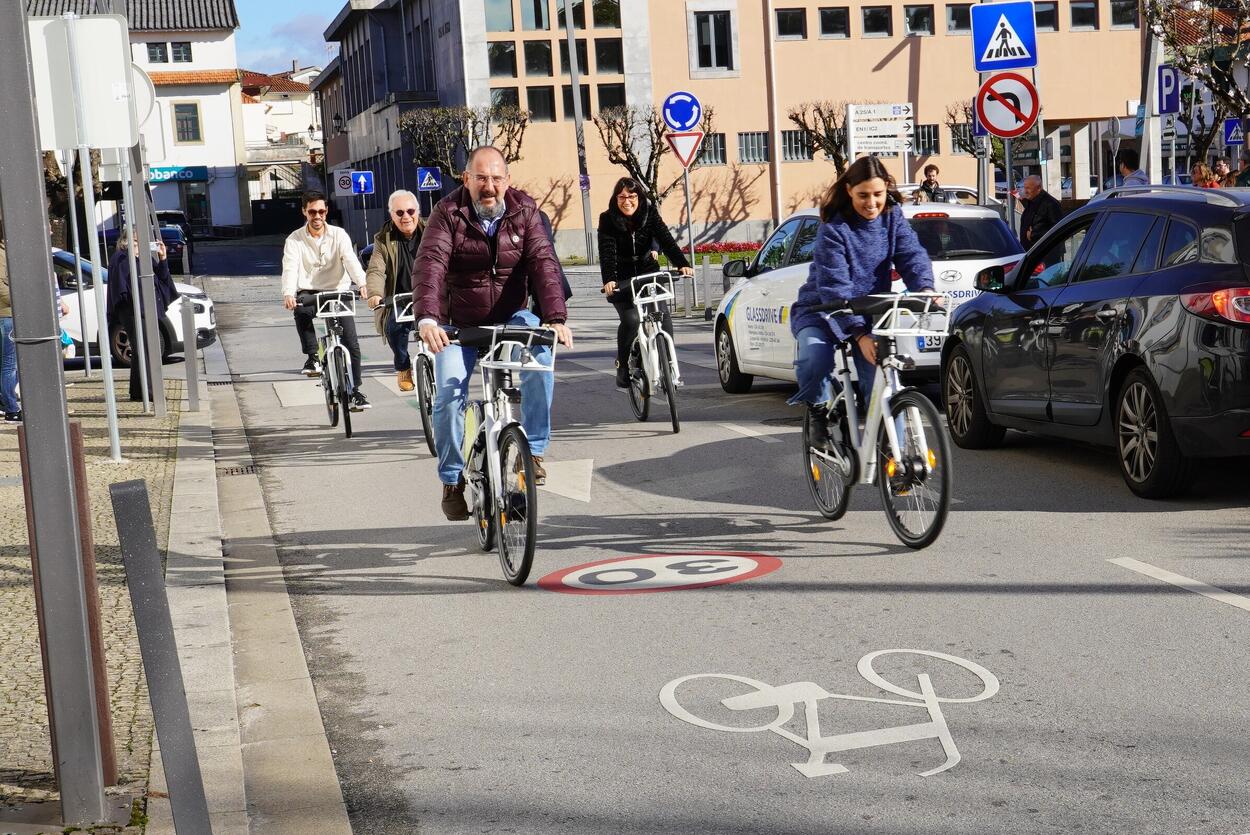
953 238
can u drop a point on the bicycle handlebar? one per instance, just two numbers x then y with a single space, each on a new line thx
876 305
484 336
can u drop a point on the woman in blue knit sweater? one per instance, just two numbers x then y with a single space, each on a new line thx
863 238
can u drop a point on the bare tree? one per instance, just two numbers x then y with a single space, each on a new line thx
1207 41
824 125
443 136
634 138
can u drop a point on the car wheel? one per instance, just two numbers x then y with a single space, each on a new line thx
732 380
119 342
1150 459
969 426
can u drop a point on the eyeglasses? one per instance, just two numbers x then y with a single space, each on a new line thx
402 212
483 179
315 212
627 198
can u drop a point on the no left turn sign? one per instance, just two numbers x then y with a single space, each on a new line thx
659 572
1007 105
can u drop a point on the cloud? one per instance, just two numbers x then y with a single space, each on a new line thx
300 38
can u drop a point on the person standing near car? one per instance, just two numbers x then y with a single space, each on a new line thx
1041 211
1126 162
390 273
932 189
120 307
319 258
626 232
8 348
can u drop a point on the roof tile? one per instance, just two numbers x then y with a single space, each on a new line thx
182 77
149 15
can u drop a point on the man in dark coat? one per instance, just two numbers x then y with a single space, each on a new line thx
483 254
1041 211
119 306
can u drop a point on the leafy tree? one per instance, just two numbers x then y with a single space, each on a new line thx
634 138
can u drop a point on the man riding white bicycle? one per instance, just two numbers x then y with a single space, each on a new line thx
483 253
863 238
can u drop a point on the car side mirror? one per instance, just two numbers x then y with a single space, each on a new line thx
992 279
736 268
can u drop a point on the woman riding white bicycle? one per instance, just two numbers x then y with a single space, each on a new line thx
626 232
862 241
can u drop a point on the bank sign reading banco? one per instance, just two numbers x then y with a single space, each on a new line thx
179 173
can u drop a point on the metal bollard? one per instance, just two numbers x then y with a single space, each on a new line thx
685 293
707 288
189 350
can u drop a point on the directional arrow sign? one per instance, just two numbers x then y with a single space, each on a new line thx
685 145
362 182
1007 105
894 128
902 110
882 143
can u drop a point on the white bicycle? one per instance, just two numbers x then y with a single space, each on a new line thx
422 367
336 361
652 363
904 447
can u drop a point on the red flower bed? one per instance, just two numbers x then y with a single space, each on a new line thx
727 246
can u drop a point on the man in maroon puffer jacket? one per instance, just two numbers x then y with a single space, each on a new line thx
484 252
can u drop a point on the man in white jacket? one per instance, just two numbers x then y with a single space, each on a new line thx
317 258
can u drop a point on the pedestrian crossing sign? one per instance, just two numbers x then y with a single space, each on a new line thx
1004 36
429 179
1234 134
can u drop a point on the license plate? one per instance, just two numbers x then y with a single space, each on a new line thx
929 343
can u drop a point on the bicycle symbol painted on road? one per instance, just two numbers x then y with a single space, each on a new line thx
785 697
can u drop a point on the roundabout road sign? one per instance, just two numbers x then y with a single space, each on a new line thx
1007 105
682 111
659 572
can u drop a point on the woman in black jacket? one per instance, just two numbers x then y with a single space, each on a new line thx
119 307
626 231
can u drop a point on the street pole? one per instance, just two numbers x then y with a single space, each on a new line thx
93 242
53 509
142 221
138 342
694 290
73 225
1011 188
579 128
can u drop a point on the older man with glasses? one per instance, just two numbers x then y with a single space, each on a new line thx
319 258
390 273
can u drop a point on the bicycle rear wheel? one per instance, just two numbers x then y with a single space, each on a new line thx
830 468
517 516
666 381
916 489
344 394
327 388
639 387
425 395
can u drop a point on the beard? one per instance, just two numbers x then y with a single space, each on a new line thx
489 212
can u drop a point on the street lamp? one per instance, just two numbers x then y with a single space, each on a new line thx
338 122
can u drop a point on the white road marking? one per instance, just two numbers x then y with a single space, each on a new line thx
751 433
1186 583
299 393
570 479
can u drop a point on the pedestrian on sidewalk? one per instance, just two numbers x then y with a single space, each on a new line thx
1203 176
8 348
484 252
319 258
1223 170
931 188
121 312
627 230
390 273
1041 211
1127 161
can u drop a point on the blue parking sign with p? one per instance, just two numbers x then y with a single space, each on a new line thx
1169 90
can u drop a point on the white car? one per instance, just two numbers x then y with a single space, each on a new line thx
964 195
170 324
753 320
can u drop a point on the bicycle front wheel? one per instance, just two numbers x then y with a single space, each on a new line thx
916 488
517 516
667 381
327 388
830 467
344 394
425 396
639 387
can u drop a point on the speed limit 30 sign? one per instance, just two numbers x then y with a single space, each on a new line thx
659 572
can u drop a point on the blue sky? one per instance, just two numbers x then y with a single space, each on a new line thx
272 33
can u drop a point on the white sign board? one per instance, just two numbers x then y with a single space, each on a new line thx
868 112
342 182
105 80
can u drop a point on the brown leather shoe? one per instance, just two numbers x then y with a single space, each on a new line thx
405 380
454 506
540 475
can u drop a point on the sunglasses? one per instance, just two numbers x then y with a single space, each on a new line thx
315 212
402 212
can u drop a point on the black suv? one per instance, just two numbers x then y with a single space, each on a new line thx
1127 325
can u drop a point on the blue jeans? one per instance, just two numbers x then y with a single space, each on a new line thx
397 336
814 363
453 374
8 368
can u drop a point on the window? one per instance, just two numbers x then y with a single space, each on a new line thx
795 146
1181 246
180 51
773 254
964 238
607 14
505 97
610 96
753 147
535 15
918 20
792 23
568 101
502 59
714 42
1149 254
927 141
1084 15
579 14
805 242
1046 17
1050 269
542 103
713 150
1124 14
187 123
835 22
158 53
1115 249
958 19
878 22
1217 246
538 57
609 57
498 15
583 65
962 139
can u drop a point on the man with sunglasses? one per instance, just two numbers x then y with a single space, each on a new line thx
319 258
390 273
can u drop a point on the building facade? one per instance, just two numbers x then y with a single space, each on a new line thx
282 132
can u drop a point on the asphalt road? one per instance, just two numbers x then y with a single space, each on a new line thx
1112 700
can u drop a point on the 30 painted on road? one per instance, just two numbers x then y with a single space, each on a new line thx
659 572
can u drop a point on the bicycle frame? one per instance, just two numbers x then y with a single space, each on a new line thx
330 307
401 306
651 291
